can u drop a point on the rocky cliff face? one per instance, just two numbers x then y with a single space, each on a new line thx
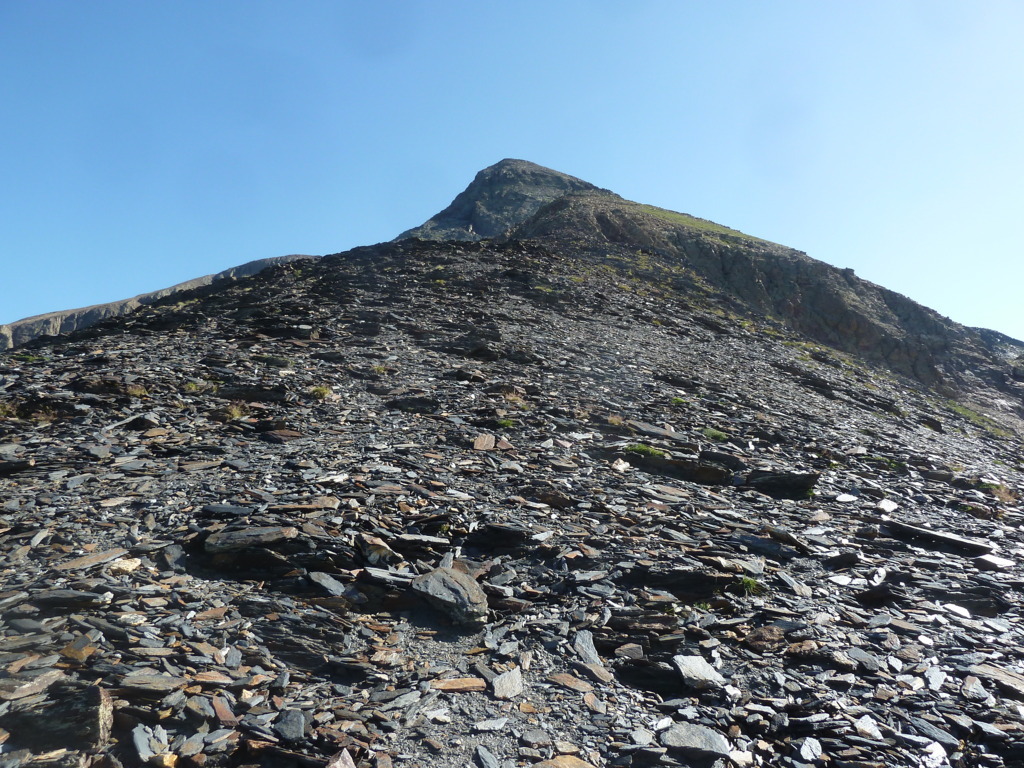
500 197
56 323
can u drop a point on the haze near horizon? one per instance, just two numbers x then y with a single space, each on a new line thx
150 144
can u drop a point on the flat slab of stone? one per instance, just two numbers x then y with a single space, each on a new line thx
93 559
696 672
460 684
229 541
508 685
563 761
1004 678
913 532
696 740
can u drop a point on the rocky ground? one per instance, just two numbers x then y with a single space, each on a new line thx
478 504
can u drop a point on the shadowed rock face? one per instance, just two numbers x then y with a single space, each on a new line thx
55 323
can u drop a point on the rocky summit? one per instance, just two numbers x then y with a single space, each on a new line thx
585 491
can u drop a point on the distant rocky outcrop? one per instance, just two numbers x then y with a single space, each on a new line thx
55 323
500 197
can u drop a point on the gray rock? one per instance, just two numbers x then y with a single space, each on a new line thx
508 685
583 644
696 672
291 725
454 593
696 740
485 758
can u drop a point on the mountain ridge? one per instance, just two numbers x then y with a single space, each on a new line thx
497 502
828 304
21 331
519 199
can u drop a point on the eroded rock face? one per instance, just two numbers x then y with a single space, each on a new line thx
500 197
517 199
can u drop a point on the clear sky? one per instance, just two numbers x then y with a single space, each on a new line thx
147 143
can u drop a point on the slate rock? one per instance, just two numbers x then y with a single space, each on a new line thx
697 673
695 740
454 593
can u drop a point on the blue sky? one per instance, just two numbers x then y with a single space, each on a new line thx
143 144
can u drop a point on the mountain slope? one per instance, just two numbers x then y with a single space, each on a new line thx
753 276
453 503
66 321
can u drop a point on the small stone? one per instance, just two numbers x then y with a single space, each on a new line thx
484 443
765 639
564 761
535 738
494 724
228 541
583 644
810 749
508 685
291 725
485 758
867 728
571 682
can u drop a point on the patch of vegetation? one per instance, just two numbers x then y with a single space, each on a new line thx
505 423
517 400
999 492
26 411
233 411
678 401
379 369
693 222
978 419
887 462
645 450
715 435
751 586
191 386
136 390
320 392
27 357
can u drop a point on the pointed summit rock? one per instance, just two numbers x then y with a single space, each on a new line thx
500 197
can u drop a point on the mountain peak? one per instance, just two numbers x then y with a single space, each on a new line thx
500 197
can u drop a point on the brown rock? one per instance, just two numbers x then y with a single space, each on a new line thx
563 761
460 684
228 541
571 682
764 639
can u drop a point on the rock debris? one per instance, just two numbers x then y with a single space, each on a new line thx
460 504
